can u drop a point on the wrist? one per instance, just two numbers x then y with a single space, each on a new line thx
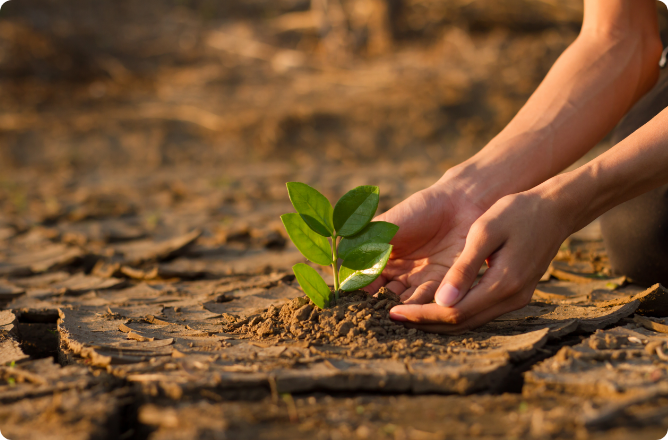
510 163
481 179
572 196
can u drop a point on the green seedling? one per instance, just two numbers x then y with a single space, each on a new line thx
325 235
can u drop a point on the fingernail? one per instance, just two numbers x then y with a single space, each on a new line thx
397 317
447 295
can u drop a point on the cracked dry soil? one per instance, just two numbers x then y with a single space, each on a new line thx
145 284
203 354
192 328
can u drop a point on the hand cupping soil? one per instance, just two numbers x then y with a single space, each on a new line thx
358 322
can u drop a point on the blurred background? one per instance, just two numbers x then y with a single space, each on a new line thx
155 102
157 83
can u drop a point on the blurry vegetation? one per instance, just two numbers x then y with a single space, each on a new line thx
85 85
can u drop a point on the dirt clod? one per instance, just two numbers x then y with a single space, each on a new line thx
303 312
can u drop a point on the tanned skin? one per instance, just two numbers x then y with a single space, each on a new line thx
507 205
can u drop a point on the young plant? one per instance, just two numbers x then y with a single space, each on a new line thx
324 235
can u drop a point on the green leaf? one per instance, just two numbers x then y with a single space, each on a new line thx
314 208
374 232
363 265
313 246
313 284
355 210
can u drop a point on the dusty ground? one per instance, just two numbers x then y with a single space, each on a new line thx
137 308
145 284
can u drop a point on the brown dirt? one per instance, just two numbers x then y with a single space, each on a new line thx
144 151
146 324
359 322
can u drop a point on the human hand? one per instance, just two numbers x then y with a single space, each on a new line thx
433 225
518 237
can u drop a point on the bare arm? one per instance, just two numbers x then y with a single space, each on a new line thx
520 234
612 63
504 205
634 166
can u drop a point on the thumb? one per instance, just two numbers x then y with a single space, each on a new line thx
480 244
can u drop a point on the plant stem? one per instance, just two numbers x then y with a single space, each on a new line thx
335 272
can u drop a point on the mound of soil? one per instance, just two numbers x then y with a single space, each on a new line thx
359 322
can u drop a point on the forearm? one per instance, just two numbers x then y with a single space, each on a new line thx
588 90
634 166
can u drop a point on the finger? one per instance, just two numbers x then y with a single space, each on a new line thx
427 314
377 284
407 293
499 283
506 281
481 242
424 294
475 321
396 287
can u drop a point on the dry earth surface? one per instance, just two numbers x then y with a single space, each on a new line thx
164 307
145 282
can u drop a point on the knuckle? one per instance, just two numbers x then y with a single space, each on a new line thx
514 199
458 317
480 230
526 298
466 271
513 286
520 301
425 291
509 283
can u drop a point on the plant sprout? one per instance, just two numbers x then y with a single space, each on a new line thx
325 235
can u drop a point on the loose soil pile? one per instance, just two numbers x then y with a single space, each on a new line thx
360 322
